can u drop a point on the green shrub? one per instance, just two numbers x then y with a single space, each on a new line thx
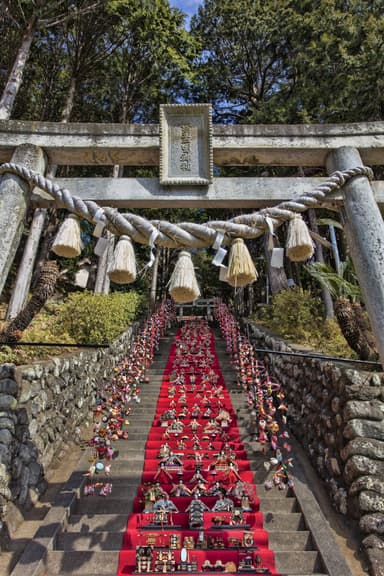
97 318
295 313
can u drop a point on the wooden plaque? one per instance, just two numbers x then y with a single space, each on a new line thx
186 155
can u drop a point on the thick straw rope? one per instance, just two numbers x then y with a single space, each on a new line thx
186 234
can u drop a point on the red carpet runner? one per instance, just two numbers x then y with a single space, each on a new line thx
196 509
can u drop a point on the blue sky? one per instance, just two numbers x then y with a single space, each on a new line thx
187 6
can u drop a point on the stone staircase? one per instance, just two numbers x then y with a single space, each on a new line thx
289 537
81 536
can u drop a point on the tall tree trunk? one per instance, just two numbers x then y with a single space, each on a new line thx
102 282
70 101
118 170
25 270
65 117
277 277
51 173
296 268
102 265
165 272
335 248
51 224
15 77
155 270
319 256
250 300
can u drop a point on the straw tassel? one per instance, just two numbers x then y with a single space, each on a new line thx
123 266
241 269
183 286
299 242
68 239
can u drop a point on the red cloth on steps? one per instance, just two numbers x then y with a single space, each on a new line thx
209 447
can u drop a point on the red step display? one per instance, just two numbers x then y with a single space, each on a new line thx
196 510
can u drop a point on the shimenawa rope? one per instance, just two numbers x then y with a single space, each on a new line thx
186 234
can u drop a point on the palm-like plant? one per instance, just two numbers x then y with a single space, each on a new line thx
350 315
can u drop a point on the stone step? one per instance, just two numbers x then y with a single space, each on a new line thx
103 505
148 399
109 540
84 563
148 402
131 450
133 431
149 392
121 489
122 477
262 493
84 524
278 522
127 453
134 435
134 444
139 420
81 563
138 426
298 562
138 436
122 469
124 493
145 407
286 541
96 541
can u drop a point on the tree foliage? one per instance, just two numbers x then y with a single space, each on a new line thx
292 60
114 63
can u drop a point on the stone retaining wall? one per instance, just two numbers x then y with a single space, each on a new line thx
337 413
43 407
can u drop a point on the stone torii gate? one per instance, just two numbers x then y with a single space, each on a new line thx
188 131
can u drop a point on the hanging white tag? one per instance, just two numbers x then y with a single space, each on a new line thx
98 230
101 246
81 277
218 241
277 258
219 257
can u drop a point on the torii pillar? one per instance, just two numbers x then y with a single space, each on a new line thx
364 229
14 201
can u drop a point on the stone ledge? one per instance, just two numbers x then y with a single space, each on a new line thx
337 413
32 561
324 540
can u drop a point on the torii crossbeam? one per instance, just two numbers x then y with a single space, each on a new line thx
333 147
